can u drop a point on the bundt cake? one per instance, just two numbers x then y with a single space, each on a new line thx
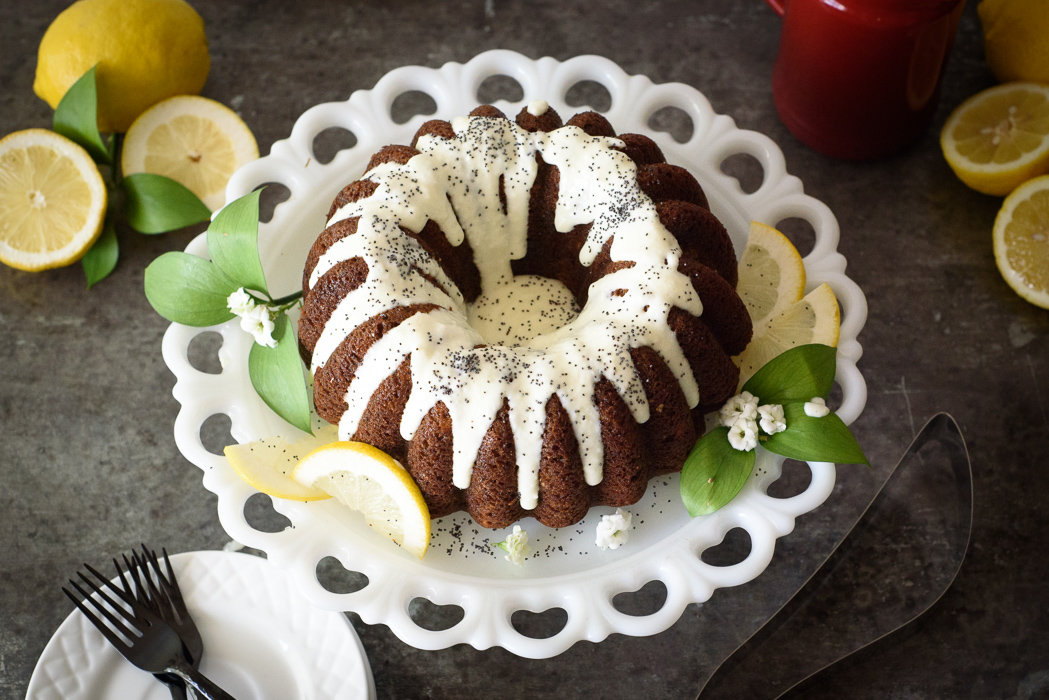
532 316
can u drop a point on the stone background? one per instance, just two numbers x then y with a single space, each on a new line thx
89 468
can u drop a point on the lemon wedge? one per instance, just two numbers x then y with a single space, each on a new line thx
195 141
371 482
268 463
771 273
1021 241
771 284
52 200
999 138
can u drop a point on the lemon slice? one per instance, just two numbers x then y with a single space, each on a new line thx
371 482
268 463
771 284
198 142
771 273
999 138
1021 241
52 200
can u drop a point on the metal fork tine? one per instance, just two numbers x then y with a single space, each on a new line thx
99 625
117 623
124 596
158 597
120 573
171 595
176 598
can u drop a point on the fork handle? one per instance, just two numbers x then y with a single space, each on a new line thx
198 681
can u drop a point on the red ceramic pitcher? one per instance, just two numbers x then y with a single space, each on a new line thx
859 79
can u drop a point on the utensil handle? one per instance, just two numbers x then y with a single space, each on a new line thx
199 682
780 6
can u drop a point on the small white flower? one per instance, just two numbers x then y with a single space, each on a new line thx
772 420
516 546
743 405
816 408
259 322
240 302
613 530
743 435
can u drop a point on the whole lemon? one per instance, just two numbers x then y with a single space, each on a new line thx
145 51
1015 39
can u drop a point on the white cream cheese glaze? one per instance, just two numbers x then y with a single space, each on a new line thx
456 183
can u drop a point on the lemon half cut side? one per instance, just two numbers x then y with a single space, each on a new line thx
52 200
1021 241
195 141
371 482
999 138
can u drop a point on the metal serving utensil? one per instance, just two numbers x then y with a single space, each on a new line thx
908 546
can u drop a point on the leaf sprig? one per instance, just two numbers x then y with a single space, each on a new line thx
187 289
151 203
715 472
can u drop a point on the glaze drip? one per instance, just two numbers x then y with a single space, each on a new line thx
476 188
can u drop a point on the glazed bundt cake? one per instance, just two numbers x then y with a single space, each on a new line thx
533 317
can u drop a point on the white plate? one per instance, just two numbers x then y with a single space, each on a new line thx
262 640
461 568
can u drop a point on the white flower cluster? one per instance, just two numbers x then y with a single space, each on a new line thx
743 416
613 530
516 546
255 318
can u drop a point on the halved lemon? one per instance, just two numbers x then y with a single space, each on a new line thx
371 482
771 284
999 138
195 141
267 464
52 200
1021 241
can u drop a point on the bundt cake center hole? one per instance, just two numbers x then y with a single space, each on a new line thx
515 311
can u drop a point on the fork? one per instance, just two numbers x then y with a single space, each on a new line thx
165 599
138 633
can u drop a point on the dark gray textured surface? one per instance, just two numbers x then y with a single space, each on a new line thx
88 465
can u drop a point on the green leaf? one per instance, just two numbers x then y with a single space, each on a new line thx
101 258
825 439
276 374
186 289
796 375
157 204
714 473
233 242
76 117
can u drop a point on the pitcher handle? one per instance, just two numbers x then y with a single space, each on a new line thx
780 6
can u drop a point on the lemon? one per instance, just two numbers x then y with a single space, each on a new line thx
1014 39
999 138
771 273
198 142
52 200
145 50
267 464
1021 241
371 482
771 284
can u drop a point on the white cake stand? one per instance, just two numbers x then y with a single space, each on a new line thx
567 570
